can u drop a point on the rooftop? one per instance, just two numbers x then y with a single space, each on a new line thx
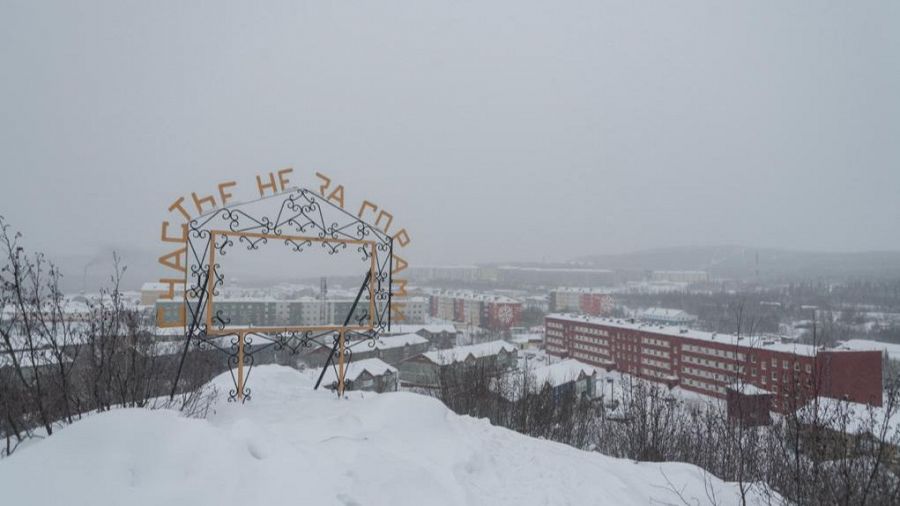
699 335
390 342
561 373
461 353
434 328
892 349
374 366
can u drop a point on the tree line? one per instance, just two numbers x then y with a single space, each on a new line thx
55 369
826 452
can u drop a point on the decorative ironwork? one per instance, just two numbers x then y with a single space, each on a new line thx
301 220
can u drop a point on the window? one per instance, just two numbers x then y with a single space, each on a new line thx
764 366
774 362
774 376
753 358
753 371
784 364
808 369
763 380
796 366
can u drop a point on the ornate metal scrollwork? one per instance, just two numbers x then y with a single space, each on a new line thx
296 219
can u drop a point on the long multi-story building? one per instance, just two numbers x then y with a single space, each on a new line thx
588 301
711 363
277 312
493 312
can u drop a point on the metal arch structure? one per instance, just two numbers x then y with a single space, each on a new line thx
301 220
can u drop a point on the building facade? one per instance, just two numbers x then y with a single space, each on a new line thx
587 301
492 312
708 363
278 312
424 371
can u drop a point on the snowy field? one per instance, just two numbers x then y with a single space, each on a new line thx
293 446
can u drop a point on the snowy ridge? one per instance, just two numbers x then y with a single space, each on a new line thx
291 445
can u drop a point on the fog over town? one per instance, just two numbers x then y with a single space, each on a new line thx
663 234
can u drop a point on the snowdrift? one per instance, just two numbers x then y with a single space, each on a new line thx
293 446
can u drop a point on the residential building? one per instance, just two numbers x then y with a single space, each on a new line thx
424 370
590 301
371 375
441 335
492 312
270 312
707 362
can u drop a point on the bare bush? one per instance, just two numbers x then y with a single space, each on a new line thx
55 368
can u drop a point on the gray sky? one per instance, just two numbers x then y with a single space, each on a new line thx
511 130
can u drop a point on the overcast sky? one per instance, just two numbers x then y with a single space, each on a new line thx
512 130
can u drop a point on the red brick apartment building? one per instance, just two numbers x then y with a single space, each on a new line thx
494 312
708 363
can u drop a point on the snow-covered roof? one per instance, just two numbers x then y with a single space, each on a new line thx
745 388
461 353
892 350
561 373
433 328
481 297
662 312
700 335
526 338
852 417
374 366
389 342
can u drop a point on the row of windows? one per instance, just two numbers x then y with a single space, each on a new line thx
715 352
592 331
655 363
595 340
706 374
593 349
656 342
655 353
712 363
702 385
588 357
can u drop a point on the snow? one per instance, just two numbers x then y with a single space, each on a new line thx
561 373
699 335
434 328
461 353
892 350
375 367
291 445
852 417
528 337
748 389
386 343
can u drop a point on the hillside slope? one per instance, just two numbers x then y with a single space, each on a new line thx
291 445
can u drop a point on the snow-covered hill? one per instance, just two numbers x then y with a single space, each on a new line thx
293 446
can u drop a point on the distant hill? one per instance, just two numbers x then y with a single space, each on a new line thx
741 262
